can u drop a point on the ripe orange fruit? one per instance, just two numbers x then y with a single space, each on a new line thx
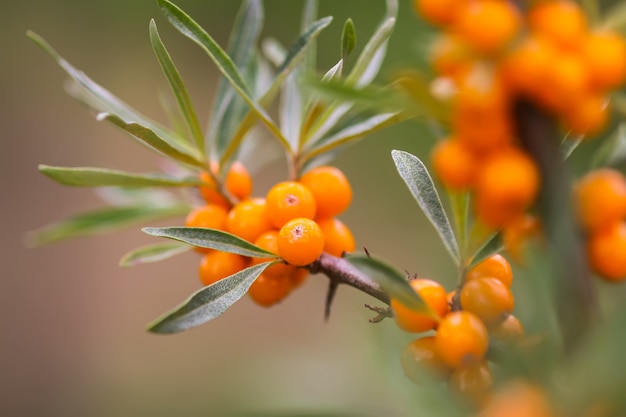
210 216
433 294
488 298
472 383
420 361
518 399
562 22
525 68
337 237
607 252
510 330
450 56
248 219
455 165
238 183
439 12
601 198
216 265
300 241
462 339
269 242
604 54
289 200
269 290
494 266
588 115
331 190
517 232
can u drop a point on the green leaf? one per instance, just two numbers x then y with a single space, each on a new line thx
188 27
150 138
177 85
101 100
153 253
101 221
569 145
348 38
210 238
228 109
102 177
417 178
309 14
612 151
209 302
356 131
392 281
492 245
417 87
616 18
290 111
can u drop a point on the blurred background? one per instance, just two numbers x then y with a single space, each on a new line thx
73 322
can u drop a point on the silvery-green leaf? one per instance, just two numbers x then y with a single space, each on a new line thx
153 253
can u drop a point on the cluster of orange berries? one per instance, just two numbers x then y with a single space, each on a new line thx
601 204
457 351
296 220
492 53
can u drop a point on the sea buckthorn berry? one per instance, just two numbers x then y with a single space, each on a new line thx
517 233
495 266
449 56
289 200
462 339
455 165
604 54
269 242
433 294
300 241
238 183
248 219
216 265
337 237
488 25
299 277
561 21
587 116
526 66
210 216
269 290
489 299
607 252
330 188
507 184
439 12
601 198
472 383
421 362
518 399
510 330
568 80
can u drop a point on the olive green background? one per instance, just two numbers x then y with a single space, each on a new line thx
73 323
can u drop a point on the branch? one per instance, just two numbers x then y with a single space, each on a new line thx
340 271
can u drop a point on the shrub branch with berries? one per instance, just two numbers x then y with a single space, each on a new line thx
515 86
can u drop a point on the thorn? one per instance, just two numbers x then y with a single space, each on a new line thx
330 296
367 252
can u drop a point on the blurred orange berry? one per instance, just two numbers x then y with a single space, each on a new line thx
439 12
269 242
518 399
561 21
489 299
238 183
337 237
601 198
604 54
248 219
216 265
587 116
300 241
495 266
331 190
289 200
510 330
210 216
450 56
472 383
517 232
455 165
462 339
433 294
420 361
607 252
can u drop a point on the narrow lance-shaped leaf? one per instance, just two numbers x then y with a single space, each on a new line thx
101 100
392 281
148 137
190 28
101 221
178 86
290 111
211 239
612 151
309 14
102 177
348 38
209 302
492 245
153 253
417 178
294 56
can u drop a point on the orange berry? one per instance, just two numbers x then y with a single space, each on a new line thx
449 56
210 216
488 25
248 219
510 330
601 198
337 237
238 183
588 115
604 54
433 294
289 200
269 242
495 266
330 188
507 185
439 12
526 66
299 277
472 383
561 21
517 232
518 399
489 299
455 164
420 360
462 339
607 252
269 290
216 265
568 79
300 241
